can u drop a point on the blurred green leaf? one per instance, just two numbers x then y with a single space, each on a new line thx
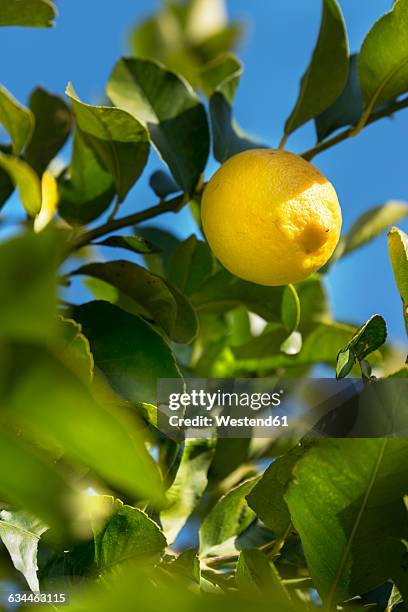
292 345
398 250
229 517
86 189
221 74
53 122
27 289
129 352
395 599
20 533
256 575
190 265
118 139
163 184
135 244
30 13
153 297
26 181
326 75
353 509
290 308
383 60
188 486
49 402
346 109
186 565
175 118
16 119
367 339
128 534
267 497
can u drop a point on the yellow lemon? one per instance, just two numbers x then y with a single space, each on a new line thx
271 217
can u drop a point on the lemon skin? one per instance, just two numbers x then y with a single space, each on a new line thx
270 216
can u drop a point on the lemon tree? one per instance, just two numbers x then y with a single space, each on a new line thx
96 501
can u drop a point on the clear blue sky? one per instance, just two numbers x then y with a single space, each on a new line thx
89 37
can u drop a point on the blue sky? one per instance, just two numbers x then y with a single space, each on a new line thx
280 35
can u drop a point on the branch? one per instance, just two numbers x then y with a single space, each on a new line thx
172 205
327 144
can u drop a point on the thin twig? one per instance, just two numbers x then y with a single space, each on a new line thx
349 132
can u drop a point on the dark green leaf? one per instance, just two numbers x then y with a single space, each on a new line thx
153 297
398 250
16 119
128 351
383 60
53 122
119 140
6 184
221 74
163 184
267 496
168 106
348 107
30 13
86 189
191 264
136 244
26 181
326 75
229 517
368 338
353 509
20 533
228 137
188 486
27 288
128 534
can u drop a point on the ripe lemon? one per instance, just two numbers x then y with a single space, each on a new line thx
271 217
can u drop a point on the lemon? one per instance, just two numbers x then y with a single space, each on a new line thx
271 217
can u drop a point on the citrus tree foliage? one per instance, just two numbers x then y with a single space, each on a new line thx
326 521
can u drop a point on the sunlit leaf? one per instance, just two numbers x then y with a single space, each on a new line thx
398 250
16 119
26 181
30 13
49 201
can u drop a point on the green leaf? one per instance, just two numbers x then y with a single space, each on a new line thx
228 138
383 60
394 600
20 533
65 415
128 534
398 250
188 486
119 140
30 13
85 190
33 482
27 289
326 75
26 181
191 264
135 244
221 74
267 497
75 346
346 109
353 509
256 575
367 339
129 352
153 297
16 119
53 122
163 184
373 223
290 308
229 517
187 565
168 106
